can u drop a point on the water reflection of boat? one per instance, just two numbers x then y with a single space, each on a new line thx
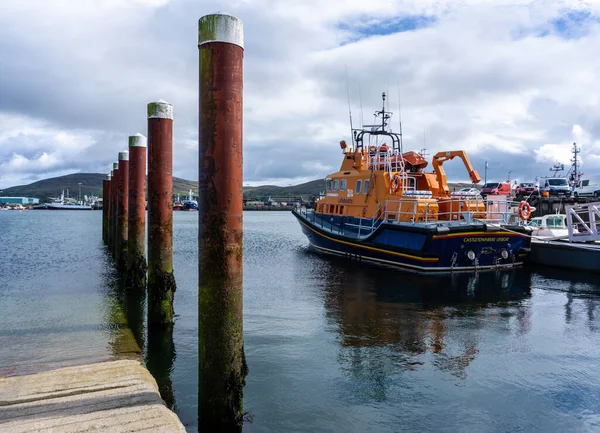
382 206
381 314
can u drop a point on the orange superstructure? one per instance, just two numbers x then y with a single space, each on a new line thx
380 181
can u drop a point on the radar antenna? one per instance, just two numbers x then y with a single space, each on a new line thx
349 107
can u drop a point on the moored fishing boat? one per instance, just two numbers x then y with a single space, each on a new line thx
383 206
570 241
62 203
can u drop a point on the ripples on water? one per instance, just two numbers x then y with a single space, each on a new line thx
331 345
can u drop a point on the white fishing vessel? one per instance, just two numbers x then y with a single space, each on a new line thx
551 226
61 203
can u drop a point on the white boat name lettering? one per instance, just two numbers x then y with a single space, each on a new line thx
485 239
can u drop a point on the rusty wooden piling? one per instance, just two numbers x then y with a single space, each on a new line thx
136 238
114 189
161 281
122 211
105 207
109 210
222 366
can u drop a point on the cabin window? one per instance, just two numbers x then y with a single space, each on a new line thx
328 184
335 184
358 186
555 222
367 186
343 185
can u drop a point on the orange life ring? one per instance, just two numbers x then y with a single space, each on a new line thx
395 183
524 210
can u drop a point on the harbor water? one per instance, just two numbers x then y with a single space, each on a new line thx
331 345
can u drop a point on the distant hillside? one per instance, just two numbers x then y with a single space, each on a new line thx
91 184
314 187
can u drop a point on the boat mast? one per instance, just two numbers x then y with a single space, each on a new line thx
383 113
349 108
400 122
574 175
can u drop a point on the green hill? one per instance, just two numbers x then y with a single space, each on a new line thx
91 184
314 187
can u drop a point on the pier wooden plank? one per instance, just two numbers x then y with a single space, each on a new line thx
116 396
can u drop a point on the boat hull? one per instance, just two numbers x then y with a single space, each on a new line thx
564 254
422 248
67 207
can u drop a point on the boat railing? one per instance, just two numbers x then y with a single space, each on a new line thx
464 210
583 222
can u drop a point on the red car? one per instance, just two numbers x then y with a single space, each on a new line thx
525 189
495 188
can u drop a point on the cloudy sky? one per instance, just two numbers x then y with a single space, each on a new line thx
511 81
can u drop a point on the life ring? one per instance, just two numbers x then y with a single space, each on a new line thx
364 211
524 210
395 183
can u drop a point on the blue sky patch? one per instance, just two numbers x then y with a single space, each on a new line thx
572 24
370 26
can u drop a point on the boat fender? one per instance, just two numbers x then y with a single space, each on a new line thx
524 210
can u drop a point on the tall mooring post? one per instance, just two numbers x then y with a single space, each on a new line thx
222 366
161 281
136 238
114 226
105 207
109 210
122 210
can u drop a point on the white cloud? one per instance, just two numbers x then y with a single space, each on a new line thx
500 79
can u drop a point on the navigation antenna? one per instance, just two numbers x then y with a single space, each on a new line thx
400 120
556 168
362 122
574 175
349 107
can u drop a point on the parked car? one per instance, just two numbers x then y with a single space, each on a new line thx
495 188
588 187
525 189
555 186
467 192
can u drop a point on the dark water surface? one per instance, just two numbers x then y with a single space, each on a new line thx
331 346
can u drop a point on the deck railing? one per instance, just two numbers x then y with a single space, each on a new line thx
464 210
583 222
